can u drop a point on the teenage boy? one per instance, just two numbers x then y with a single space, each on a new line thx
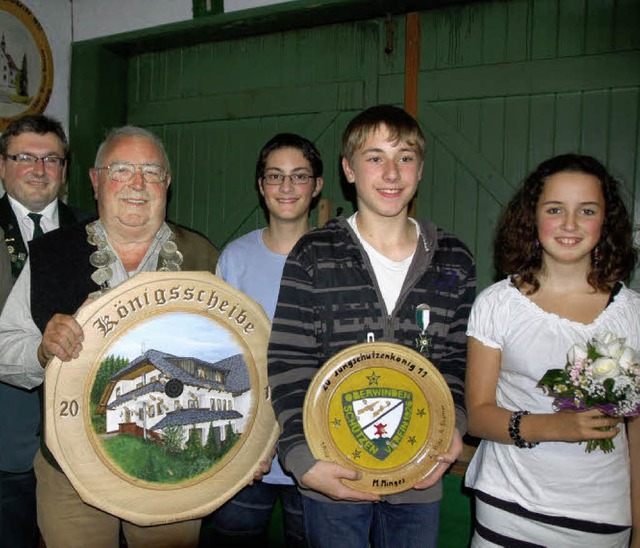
289 177
365 277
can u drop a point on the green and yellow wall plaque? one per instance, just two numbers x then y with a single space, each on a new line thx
383 409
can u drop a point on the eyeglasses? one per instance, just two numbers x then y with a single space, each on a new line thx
123 172
296 179
25 159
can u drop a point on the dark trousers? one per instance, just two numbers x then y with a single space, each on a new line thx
244 520
18 521
371 524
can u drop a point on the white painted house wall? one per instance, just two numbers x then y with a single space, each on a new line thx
94 18
144 409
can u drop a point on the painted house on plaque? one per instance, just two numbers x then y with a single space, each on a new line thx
158 390
8 69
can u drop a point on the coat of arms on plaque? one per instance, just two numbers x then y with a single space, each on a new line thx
382 409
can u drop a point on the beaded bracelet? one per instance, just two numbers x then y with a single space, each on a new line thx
514 431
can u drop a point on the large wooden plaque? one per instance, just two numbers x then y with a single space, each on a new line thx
27 63
383 409
166 413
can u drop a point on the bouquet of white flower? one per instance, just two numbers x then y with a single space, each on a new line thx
602 374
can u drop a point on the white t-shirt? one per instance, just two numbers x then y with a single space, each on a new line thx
553 478
389 274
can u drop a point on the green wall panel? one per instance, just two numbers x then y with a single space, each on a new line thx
505 85
217 103
502 86
97 103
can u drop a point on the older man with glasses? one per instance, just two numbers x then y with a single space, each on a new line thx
130 179
33 167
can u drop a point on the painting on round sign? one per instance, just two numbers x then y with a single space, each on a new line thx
171 398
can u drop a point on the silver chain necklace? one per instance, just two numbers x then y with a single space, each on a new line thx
103 257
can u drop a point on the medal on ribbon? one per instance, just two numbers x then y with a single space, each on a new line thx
423 341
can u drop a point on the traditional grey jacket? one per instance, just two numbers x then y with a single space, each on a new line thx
330 300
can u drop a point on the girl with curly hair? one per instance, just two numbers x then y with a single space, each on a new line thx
565 244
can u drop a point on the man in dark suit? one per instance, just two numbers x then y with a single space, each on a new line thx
33 167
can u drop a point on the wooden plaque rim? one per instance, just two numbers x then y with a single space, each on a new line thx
30 22
326 385
71 439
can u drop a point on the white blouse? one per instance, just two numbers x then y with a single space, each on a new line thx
553 478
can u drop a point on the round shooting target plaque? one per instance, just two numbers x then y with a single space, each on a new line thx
27 63
382 409
165 415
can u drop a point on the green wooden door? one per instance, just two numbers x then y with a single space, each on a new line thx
216 104
502 86
505 85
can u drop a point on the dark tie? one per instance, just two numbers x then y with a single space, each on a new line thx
37 229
